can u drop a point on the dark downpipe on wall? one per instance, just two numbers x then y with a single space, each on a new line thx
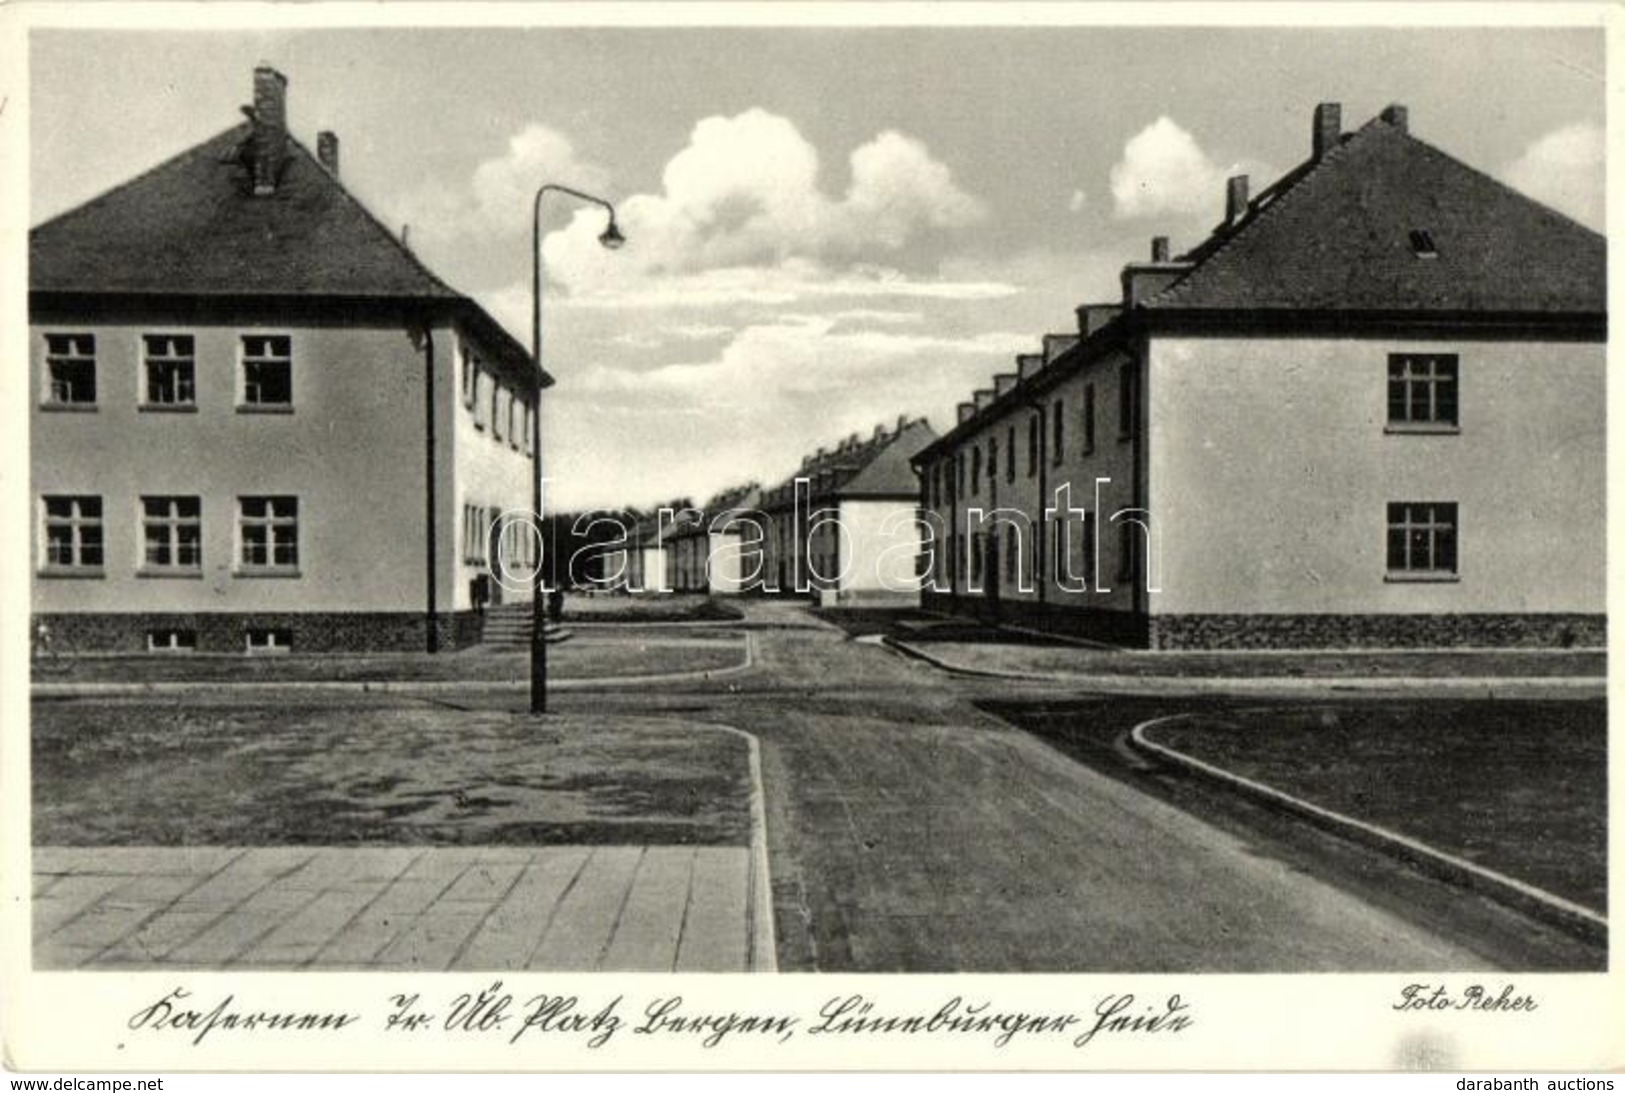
430 562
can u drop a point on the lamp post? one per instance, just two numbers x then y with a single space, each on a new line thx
611 238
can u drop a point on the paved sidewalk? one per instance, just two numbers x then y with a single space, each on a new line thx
579 908
1096 674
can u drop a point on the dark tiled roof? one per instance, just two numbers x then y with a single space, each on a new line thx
734 499
888 472
1337 235
191 226
876 467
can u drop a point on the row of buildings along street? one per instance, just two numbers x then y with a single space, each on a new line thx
1315 503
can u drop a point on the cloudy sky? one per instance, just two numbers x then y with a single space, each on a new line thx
828 227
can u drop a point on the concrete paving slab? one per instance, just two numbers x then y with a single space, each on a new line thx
721 881
152 943
434 939
651 922
587 915
239 930
383 920
513 930
622 908
298 940
484 882
69 898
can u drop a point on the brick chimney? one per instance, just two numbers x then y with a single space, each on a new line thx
1028 364
984 398
1328 128
902 423
270 128
1159 248
1397 116
967 410
1235 199
327 151
1003 383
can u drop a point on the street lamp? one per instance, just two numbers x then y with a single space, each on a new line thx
611 239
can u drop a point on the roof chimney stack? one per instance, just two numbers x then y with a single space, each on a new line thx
1235 199
1397 116
327 151
1159 248
270 128
1328 128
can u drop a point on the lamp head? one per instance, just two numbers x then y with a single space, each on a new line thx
612 239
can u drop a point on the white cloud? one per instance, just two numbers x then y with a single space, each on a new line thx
1077 202
744 194
1564 169
791 282
742 412
497 197
1164 171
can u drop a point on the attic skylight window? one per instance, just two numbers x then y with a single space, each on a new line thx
1422 244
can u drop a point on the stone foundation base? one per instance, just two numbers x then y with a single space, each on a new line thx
1534 631
1091 624
227 632
1489 631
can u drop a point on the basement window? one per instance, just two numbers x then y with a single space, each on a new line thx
1422 244
171 641
260 641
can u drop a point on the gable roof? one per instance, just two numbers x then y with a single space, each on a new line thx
1336 235
889 472
878 467
192 226
734 499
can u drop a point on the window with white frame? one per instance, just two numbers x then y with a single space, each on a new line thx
267 370
74 533
70 370
268 533
1128 550
481 405
169 362
1422 539
1088 419
1423 390
1089 553
476 534
269 640
471 371
1127 400
172 534
171 641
